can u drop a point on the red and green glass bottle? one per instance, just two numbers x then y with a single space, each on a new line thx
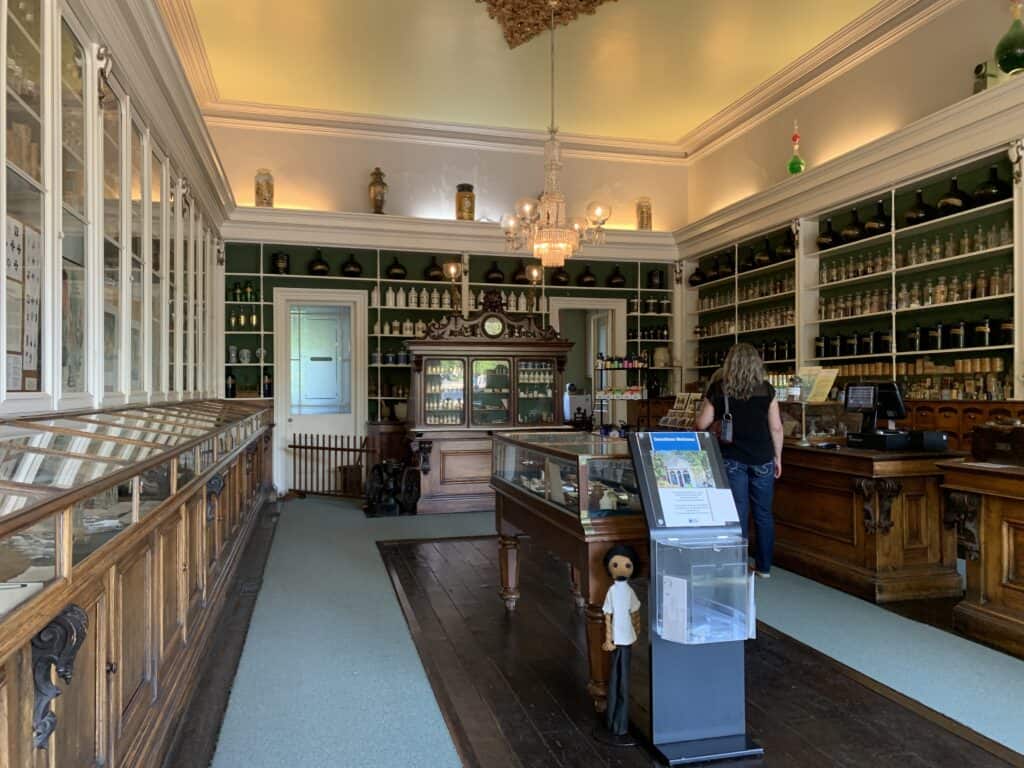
796 163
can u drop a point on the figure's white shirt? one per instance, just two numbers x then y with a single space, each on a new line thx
620 603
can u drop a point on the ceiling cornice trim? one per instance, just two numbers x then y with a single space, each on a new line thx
883 25
183 28
239 114
367 230
973 127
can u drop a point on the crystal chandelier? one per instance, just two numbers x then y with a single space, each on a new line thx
541 225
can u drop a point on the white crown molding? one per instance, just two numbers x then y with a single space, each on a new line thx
183 28
367 230
880 27
253 116
147 65
972 127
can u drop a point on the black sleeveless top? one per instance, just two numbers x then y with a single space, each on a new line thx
752 439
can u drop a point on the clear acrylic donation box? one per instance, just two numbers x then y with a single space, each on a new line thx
700 601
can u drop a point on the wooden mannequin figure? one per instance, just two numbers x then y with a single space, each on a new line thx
621 627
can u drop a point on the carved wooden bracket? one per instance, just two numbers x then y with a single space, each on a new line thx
214 486
886 490
422 450
961 511
56 645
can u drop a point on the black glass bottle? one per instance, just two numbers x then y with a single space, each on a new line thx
787 248
993 189
318 266
395 270
878 223
1006 331
494 274
725 265
920 211
954 200
828 238
351 267
764 255
854 230
697 277
558 277
587 279
433 271
616 279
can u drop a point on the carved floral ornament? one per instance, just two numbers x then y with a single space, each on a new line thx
522 20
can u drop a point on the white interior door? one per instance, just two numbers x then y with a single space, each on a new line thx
320 355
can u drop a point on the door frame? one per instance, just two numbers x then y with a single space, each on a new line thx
616 332
283 298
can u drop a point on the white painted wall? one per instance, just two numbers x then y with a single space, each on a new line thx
330 171
927 70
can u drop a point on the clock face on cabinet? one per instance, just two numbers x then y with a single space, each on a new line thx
493 326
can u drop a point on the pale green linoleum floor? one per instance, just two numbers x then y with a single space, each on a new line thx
330 676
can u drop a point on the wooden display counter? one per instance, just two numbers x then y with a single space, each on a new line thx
867 522
133 566
986 503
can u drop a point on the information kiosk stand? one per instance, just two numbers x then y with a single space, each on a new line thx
700 606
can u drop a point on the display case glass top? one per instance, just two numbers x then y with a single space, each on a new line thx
41 458
576 473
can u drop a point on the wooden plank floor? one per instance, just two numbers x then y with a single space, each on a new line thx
512 687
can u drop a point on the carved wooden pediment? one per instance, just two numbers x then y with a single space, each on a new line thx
522 20
524 327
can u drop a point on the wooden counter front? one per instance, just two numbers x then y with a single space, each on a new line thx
867 522
986 502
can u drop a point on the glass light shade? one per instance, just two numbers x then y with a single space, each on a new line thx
598 214
534 271
579 224
526 208
509 224
452 270
553 245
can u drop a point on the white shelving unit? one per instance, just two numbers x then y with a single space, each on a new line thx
897 362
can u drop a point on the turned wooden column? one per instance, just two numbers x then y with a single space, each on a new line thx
598 659
574 586
509 562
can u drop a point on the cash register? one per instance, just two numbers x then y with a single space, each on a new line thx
877 402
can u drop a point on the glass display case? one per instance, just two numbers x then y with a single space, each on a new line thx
578 473
85 457
807 423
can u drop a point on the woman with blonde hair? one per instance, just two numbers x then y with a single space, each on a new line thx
753 459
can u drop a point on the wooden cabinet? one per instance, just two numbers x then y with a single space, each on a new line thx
867 522
490 371
985 503
143 601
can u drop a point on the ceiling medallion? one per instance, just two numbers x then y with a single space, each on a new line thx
541 225
523 20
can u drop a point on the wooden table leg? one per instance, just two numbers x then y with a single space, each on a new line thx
574 586
509 563
599 660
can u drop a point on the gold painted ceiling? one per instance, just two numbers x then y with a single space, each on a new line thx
635 69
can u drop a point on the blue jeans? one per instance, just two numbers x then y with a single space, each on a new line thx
752 487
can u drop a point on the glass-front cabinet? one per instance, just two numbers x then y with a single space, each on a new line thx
472 376
444 392
492 392
577 473
90 285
